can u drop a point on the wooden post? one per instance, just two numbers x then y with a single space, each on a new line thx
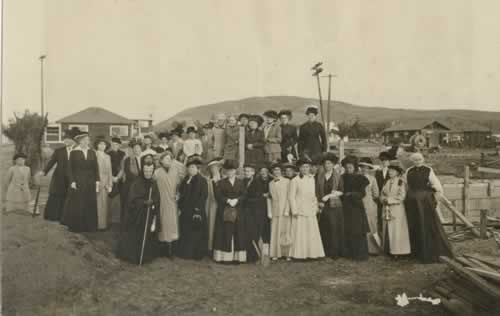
466 190
320 100
454 218
483 224
241 147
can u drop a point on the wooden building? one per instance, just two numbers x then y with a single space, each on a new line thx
434 131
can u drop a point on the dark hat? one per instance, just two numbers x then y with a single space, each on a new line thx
215 161
285 112
242 115
191 129
350 160
312 109
230 164
177 131
147 136
396 165
384 156
147 155
194 160
134 142
277 165
272 114
250 165
329 156
117 140
163 135
366 162
78 134
68 134
265 165
208 125
101 139
288 165
19 155
304 161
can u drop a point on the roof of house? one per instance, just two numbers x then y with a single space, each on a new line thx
95 115
464 126
414 125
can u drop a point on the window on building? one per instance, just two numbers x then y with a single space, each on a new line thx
53 133
118 131
82 127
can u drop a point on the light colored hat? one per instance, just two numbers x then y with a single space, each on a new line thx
417 157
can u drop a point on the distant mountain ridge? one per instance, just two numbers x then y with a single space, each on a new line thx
341 112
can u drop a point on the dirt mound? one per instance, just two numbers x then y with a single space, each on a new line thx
45 264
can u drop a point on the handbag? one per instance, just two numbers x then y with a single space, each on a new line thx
230 214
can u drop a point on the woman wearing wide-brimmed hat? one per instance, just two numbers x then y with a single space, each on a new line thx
369 201
80 210
427 236
353 187
230 238
397 239
306 238
331 220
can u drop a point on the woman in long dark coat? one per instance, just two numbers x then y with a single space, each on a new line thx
288 137
131 239
312 137
59 182
80 209
255 208
428 240
230 240
254 141
331 221
193 191
353 186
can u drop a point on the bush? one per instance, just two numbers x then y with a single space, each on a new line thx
26 132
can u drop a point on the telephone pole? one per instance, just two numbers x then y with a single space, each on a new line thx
42 103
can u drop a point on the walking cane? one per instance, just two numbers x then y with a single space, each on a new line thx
145 227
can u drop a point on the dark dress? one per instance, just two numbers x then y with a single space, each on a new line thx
116 157
193 241
312 140
130 242
80 209
428 240
130 177
255 209
226 232
59 184
256 139
331 220
381 180
356 227
288 141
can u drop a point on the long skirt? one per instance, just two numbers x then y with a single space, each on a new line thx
397 231
331 226
371 215
103 214
230 239
355 228
306 239
258 228
54 207
130 242
427 237
80 209
281 239
192 242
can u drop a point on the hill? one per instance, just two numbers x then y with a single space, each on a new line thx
342 111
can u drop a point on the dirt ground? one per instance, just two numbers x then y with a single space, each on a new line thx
50 271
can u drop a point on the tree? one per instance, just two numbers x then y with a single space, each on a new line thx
26 132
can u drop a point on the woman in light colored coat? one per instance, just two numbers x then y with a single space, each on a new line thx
371 208
272 137
105 185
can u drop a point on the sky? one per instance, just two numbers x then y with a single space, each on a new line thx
141 57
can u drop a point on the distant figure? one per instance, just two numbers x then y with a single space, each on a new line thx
192 145
177 144
147 144
243 119
254 141
218 133
272 137
312 136
163 145
143 195
17 181
289 137
59 183
80 210
232 139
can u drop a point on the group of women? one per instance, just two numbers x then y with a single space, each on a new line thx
291 199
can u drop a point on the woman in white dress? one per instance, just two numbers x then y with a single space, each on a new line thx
392 197
105 185
306 239
372 194
279 213
168 179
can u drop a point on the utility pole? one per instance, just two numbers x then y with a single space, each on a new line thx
1 75
328 109
42 103
316 71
